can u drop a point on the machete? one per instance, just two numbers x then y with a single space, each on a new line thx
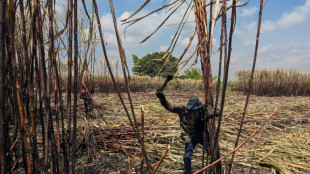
170 77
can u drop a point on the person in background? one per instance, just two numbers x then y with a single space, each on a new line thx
88 104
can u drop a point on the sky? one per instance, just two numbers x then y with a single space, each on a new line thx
284 40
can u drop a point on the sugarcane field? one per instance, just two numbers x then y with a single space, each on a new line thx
167 87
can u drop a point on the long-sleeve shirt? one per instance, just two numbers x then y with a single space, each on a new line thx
85 96
191 121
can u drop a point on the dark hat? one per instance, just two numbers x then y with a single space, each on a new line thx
193 103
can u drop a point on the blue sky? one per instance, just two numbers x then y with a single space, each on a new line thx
284 40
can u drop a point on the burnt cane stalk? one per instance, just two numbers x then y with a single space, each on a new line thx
226 62
200 15
223 28
34 80
122 56
58 107
47 132
108 63
250 84
56 86
30 108
214 144
3 127
114 83
43 85
142 137
51 55
76 53
18 97
70 6
40 70
58 76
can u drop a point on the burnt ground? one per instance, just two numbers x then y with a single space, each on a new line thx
289 126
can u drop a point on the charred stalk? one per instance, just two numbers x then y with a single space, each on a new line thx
70 6
250 84
76 53
18 97
30 104
3 119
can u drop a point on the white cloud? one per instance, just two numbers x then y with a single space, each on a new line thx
306 8
289 19
163 48
288 59
140 30
234 60
265 48
249 42
107 22
60 11
251 26
244 38
125 15
184 41
249 11
268 25
300 59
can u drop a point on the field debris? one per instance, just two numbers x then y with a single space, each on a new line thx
110 139
288 153
282 145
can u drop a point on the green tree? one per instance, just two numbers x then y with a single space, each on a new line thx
193 73
151 65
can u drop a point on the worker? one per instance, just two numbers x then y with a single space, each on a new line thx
88 104
191 123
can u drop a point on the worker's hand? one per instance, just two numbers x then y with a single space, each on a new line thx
159 93
210 113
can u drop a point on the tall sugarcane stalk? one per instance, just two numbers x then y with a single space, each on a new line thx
47 92
51 55
114 83
204 39
223 38
142 138
76 54
209 86
226 64
56 97
122 56
59 107
250 84
43 87
70 6
65 153
40 66
30 108
18 97
214 151
58 76
3 119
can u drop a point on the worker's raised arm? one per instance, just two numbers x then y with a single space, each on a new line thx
166 104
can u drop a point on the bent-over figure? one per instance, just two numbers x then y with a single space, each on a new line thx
191 123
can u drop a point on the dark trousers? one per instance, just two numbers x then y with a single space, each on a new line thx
88 106
189 148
